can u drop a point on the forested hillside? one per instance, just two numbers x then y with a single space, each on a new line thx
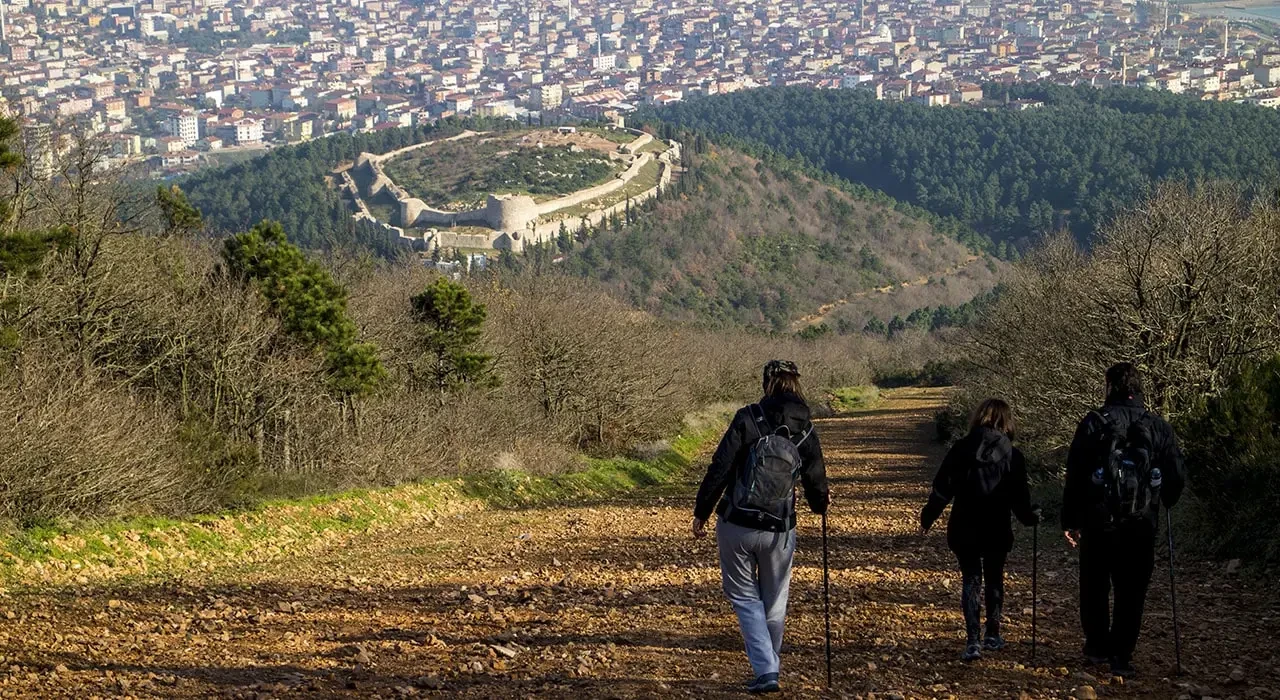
746 242
742 240
157 370
1076 161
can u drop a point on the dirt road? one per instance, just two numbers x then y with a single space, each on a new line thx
614 600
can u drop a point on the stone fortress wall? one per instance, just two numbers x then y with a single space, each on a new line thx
513 218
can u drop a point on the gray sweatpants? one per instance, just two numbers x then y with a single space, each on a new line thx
755 570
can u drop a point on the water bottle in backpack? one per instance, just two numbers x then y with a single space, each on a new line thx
1130 481
765 486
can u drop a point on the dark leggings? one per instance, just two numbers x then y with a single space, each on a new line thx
973 567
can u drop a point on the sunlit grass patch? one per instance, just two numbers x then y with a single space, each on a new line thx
854 398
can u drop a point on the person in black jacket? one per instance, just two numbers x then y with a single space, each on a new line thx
987 477
1117 551
756 546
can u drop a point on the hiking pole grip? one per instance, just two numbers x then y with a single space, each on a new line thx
1173 594
826 596
1035 585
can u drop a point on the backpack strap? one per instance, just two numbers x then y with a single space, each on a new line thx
759 421
764 427
806 435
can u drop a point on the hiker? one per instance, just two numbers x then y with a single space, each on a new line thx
766 448
1123 463
987 477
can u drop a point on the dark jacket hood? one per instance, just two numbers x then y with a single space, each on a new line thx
789 410
993 446
1123 400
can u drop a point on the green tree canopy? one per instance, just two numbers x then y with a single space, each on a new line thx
1075 162
311 305
179 217
450 327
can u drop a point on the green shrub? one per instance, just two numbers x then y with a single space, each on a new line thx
1233 458
853 398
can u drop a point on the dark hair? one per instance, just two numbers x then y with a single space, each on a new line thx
994 414
780 383
1124 379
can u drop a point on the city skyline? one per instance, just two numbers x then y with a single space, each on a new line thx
174 81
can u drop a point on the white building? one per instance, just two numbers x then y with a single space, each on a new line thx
546 97
1267 74
242 132
37 138
185 126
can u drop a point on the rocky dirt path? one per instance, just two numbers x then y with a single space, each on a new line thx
613 600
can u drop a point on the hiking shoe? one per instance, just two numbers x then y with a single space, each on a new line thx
995 643
1124 669
973 652
767 683
1093 657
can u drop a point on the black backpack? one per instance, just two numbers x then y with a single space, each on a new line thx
1126 467
766 484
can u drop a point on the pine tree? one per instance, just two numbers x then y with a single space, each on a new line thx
311 305
896 326
10 159
180 217
563 239
449 328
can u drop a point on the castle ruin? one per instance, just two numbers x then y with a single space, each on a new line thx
511 218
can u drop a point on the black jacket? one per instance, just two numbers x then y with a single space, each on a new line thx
789 410
1083 506
979 519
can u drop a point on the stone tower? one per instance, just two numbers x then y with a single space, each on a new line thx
510 213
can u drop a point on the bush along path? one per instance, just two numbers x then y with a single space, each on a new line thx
612 599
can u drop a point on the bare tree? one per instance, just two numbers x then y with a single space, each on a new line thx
1187 285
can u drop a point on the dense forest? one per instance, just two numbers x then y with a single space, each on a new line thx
746 241
1011 174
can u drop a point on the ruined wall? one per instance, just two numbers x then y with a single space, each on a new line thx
641 141
601 190
448 239
394 234
511 216
595 217
412 210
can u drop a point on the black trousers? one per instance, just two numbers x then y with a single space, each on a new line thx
974 567
1121 558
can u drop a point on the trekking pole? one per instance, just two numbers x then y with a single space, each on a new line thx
1173 594
826 596
1035 585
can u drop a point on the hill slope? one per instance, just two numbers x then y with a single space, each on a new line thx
1077 160
750 243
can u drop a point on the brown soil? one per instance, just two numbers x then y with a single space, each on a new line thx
615 600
